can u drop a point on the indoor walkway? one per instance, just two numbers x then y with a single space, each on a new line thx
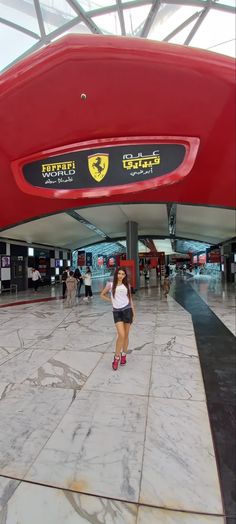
80 443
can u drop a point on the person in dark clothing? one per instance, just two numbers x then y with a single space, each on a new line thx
167 273
78 276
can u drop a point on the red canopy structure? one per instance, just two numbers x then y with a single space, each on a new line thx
84 89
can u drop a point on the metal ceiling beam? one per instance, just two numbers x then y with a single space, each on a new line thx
197 25
54 17
29 51
113 8
121 17
221 43
84 17
60 31
150 18
43 41
89 225
19 28
181 26
40 18
202 3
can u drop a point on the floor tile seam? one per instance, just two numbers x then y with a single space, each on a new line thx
176 355
50 333
181 356
124 501
70 350
115 393
46 388
13 356
58 325
34 368
188 359
145 430
98 362
178 398
215 443
51 434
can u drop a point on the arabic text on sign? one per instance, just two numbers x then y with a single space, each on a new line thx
144 162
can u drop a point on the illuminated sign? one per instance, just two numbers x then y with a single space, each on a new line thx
81 258
202 258
106 167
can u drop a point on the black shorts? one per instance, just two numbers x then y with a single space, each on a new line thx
123 315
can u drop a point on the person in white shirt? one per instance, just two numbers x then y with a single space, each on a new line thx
123 312
36 278
87 278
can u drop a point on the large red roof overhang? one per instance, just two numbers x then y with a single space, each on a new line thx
134 88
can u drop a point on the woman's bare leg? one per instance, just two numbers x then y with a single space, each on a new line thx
120 337
126 341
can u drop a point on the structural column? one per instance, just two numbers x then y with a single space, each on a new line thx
132 247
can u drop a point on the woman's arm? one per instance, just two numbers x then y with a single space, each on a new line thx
104 292
132 305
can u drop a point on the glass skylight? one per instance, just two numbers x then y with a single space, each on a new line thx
26 25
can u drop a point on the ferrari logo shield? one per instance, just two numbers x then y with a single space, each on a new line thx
98 166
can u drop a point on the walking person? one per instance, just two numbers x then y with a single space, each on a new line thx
71 289
64 277
87 277
166 286
36 279
123 312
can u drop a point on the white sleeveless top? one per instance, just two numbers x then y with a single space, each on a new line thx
121 299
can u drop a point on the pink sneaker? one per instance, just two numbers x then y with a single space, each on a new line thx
123 360
115 363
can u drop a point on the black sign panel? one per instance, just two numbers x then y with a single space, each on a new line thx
111 166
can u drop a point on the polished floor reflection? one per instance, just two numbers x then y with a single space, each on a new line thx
80 443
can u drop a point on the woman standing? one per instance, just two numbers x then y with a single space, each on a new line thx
71 288
123 312
87 278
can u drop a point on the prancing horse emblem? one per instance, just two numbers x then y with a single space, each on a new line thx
98 166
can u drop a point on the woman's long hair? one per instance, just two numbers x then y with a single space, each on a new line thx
124 281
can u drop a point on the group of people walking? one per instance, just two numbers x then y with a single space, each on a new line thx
72 282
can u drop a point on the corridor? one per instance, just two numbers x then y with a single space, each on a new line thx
80 443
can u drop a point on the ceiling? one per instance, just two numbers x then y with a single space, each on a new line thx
86 226
28 25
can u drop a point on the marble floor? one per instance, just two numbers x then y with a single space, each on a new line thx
80 443
220 298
